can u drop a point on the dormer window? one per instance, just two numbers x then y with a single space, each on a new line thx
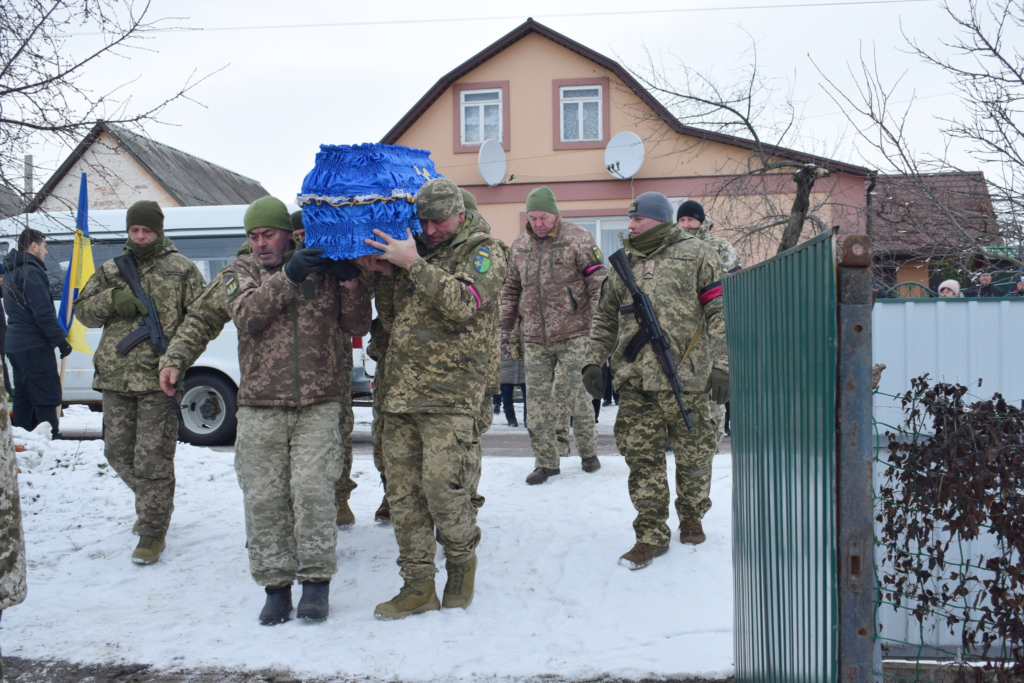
581 113
481 116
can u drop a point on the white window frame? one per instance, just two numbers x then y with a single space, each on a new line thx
462 114
599 228
600 111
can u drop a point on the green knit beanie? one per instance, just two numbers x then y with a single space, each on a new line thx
468 199
542 199
267 212
146 212
297 220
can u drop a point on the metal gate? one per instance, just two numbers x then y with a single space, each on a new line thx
799 335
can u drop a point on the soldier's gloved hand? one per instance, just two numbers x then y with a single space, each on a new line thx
127 306
718 385
303 263
65 349
593 382
343 270
505 341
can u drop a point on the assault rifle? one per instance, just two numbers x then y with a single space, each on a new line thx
650 330
150 327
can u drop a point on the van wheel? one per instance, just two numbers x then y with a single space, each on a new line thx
208 410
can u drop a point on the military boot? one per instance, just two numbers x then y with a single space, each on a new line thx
692 533
591 464
135 527
278 607
383 514
541 475
148 550
345 515
458 590
415 597
313 605
641 555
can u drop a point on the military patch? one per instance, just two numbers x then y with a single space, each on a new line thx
482 262
595 253
231 286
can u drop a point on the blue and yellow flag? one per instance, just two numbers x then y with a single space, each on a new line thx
80 269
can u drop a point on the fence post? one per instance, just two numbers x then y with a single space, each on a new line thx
854 461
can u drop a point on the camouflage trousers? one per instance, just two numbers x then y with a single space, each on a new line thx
346 423
140 434
433 463
12 537
554 393
286 468
646 423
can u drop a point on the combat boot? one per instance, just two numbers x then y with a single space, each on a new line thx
278 607
692 533
313 605
383 514
148 550
415 597
641 555
541 475
591 464
345 515
135 527
458 590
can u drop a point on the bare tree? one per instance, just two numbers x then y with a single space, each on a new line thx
43 89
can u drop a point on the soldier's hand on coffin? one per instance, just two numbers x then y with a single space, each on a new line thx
303 263
399 252
127 306
343 270
377 264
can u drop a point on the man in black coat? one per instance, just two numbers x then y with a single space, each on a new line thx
32 334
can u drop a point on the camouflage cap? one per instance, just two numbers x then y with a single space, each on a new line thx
438 199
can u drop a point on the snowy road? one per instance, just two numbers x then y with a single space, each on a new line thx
551 599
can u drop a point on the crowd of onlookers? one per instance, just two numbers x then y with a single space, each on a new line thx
984 289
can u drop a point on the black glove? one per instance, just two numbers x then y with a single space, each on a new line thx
65 349
718 385
303 263
593 381
127 306
343 270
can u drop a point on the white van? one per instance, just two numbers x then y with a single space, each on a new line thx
210 236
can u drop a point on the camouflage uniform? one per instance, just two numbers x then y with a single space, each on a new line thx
554 283
12 538
139 423
344 486
289 351
681 277
441 315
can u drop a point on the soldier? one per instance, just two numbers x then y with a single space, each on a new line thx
290 316
440 315
377 350
140 425
554 281
680 274
12 538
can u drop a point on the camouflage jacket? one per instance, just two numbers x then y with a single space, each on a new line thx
681 278
727 253
289 347
205 320
442 315
554 283
12 538
172 281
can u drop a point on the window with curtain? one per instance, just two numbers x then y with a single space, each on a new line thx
581 113
481 116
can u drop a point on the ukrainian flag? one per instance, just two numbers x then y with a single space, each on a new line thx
80 269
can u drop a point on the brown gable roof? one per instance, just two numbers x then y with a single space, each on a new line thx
531 26
190 180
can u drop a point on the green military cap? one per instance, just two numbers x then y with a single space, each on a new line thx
438 199
148 213
296 218
468 199
267 212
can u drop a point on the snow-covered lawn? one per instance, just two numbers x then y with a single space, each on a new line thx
551 598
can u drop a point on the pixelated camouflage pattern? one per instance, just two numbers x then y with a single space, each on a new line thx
440 357
289 346
727 253
204 321
287 460
172 281
494 382
140 435
346 423
647 421
547 285
554 393
433 465
672 276
13 586
439 198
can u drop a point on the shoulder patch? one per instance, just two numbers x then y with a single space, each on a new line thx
595 253
231 286
482 261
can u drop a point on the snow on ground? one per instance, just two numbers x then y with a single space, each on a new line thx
550 596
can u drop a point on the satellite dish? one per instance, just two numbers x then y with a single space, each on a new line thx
624 155
491 162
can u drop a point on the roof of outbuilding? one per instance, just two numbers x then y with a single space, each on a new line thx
10 202
531 26
191 181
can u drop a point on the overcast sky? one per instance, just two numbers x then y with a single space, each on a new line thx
284 91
